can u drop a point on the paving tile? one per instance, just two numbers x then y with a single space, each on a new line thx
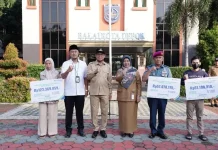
21 141
79 141
98 141
58 141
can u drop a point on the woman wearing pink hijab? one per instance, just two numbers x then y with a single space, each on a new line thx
48 111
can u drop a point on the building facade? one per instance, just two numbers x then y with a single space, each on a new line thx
50 26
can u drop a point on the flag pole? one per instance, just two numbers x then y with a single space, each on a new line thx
110 40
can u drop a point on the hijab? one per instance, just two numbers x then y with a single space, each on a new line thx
130 74
50 74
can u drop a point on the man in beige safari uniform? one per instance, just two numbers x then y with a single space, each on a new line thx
100 78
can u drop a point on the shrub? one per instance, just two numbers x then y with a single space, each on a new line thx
15 90
207 48
34 70
177 72
12 65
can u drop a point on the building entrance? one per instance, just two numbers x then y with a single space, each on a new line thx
116 61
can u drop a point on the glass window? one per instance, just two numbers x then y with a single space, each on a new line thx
54 30
82 3
167 40
54 12
160 12
175 58
159 26
159 39
62 36
166 6
31 2
54 56
45 12
54 36
62 12
139 3
167 58
45 39
175 42
46 54
62 57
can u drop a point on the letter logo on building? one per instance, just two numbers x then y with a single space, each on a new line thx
115 13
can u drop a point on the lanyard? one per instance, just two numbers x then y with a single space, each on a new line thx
76 68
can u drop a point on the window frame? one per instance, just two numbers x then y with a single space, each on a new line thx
79 7
31 6
137 8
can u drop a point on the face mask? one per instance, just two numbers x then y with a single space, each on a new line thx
195 66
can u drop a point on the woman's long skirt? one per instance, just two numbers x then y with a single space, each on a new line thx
127 116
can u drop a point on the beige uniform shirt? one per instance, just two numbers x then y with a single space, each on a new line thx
100 82
213 71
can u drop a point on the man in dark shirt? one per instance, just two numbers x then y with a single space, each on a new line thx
197 105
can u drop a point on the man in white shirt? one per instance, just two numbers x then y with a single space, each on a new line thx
76 88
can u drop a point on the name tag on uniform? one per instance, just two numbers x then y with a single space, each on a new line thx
77 79
164 73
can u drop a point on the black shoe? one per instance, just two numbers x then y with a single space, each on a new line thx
211 105
215 105
131 135
152 135
188 136
123 134
103 134
94 134
203 137
80 132
67 135
162 136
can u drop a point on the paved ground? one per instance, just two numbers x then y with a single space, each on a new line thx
22 135
18 130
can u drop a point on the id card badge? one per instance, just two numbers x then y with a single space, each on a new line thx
77 79
132 96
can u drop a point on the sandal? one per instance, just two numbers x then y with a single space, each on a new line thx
42 136
52 136
203 137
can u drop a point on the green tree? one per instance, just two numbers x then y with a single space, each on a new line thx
11 22
5 4
213 13
184 15
207 48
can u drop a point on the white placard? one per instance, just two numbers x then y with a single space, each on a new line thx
201 88
163 88
47 90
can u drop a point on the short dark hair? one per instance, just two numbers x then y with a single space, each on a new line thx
195 57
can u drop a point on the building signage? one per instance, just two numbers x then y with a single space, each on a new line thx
115 13
116 36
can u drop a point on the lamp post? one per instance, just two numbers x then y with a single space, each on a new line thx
110 40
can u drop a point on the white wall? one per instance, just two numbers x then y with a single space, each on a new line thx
88 20
83 20
30 18
139 21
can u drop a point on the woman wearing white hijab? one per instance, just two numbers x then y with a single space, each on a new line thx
48 111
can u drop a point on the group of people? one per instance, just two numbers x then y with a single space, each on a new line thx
97 75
